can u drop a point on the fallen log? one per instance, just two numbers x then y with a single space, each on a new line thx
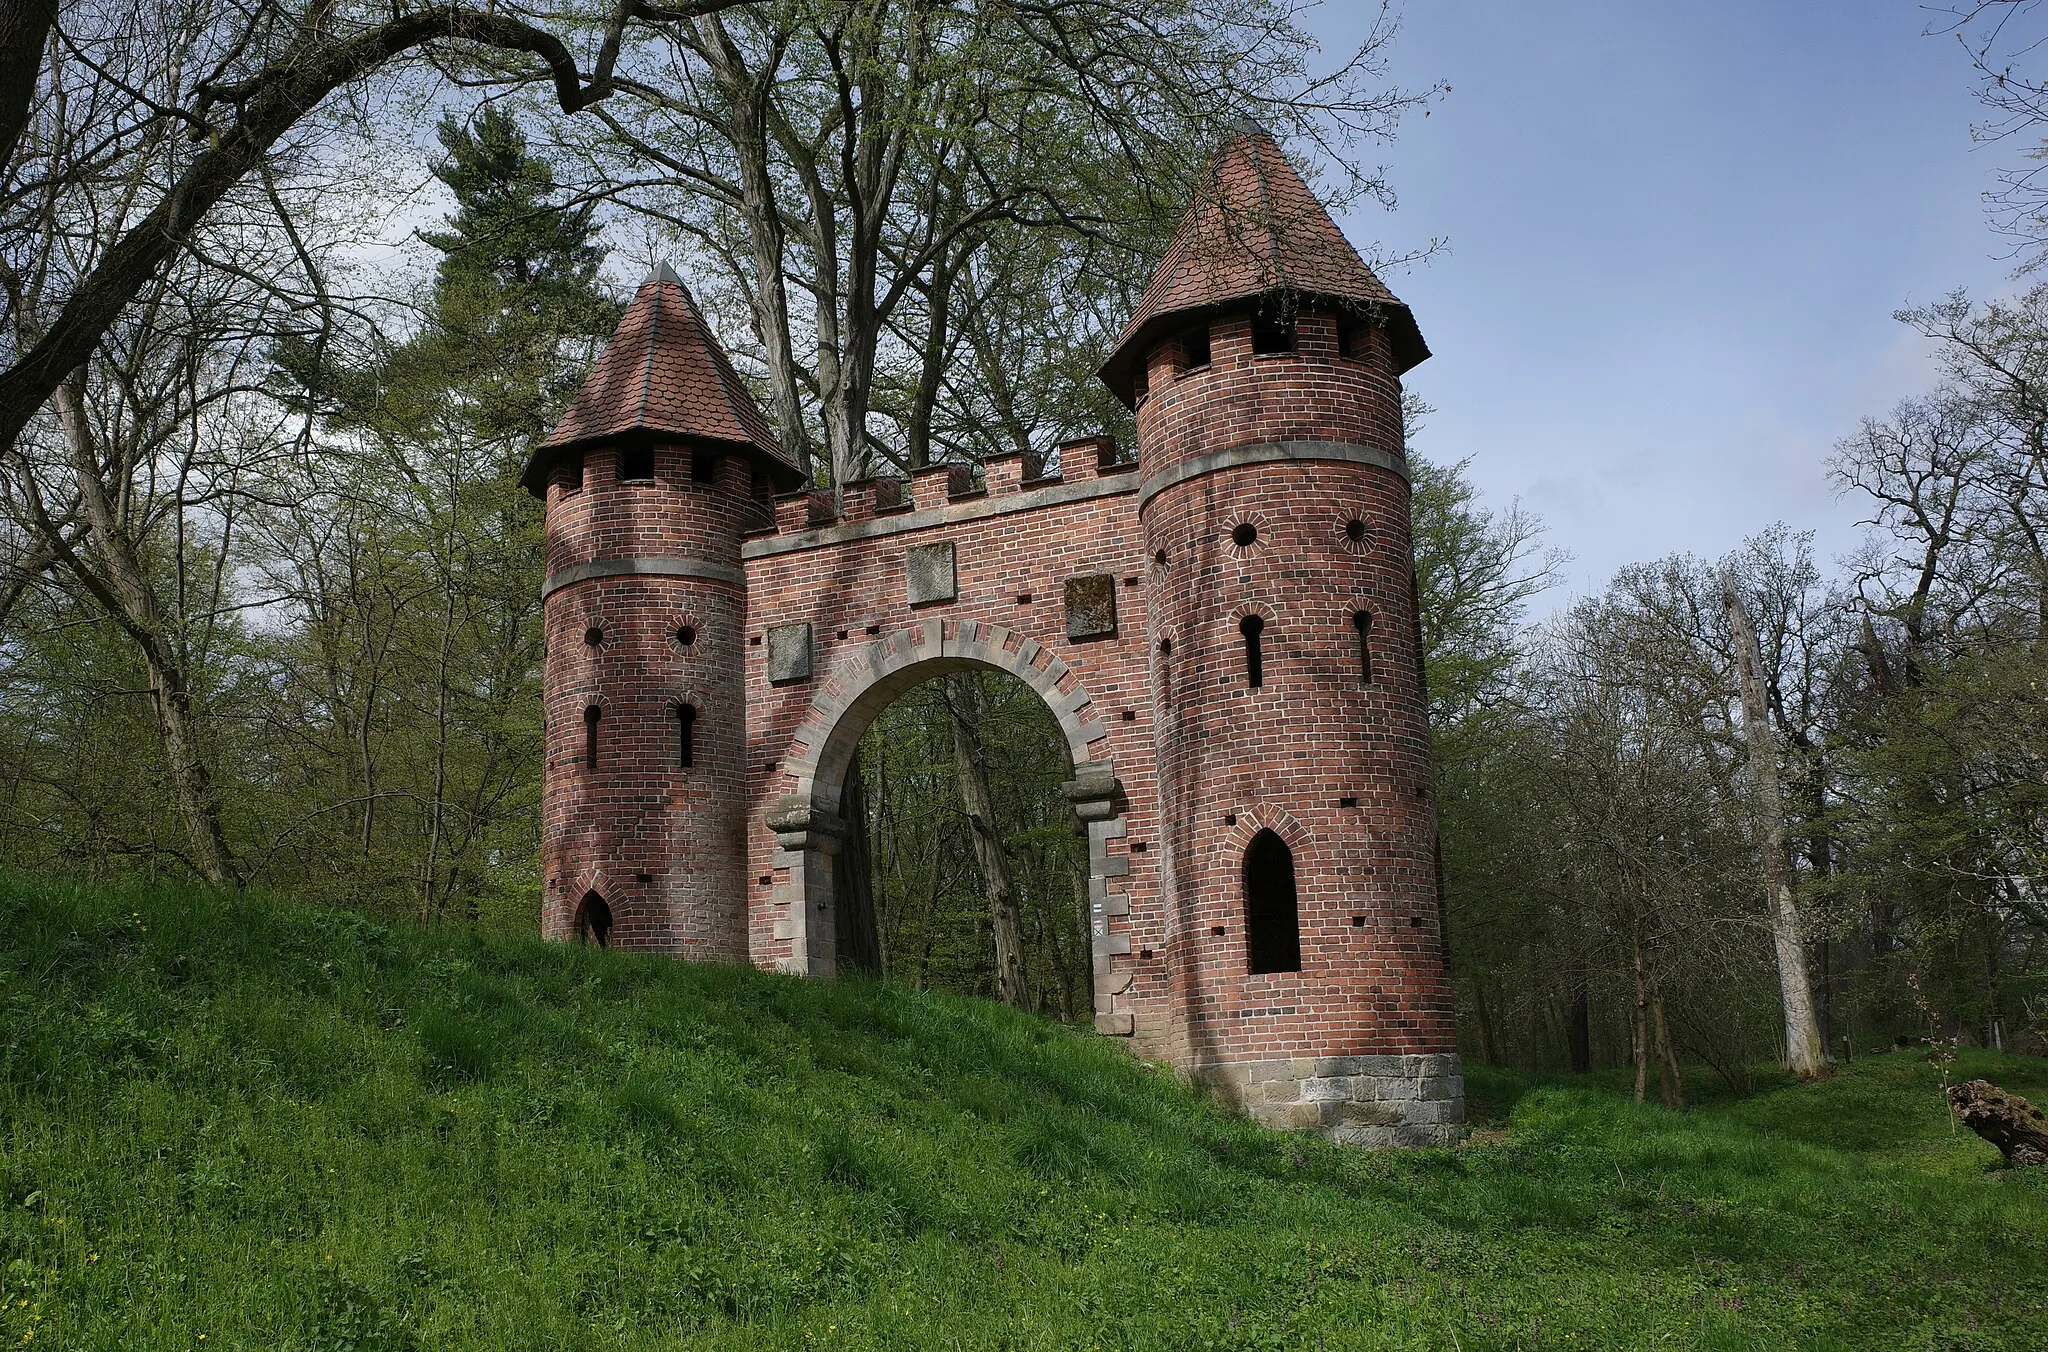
2015 1126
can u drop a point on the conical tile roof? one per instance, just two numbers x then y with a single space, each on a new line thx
1256 229
662 375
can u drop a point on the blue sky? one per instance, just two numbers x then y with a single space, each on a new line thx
1677 234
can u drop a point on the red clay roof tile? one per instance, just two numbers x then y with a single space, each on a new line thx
1256 229
662 374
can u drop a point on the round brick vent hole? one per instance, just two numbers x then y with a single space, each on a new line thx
1354 530
1243 534
594 637
686 634
1159 557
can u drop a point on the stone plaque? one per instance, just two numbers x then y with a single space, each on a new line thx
1091 605
928 571
789 653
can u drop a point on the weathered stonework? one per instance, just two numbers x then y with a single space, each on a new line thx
1091 606
1375 1101
928 574
1192 618
789 653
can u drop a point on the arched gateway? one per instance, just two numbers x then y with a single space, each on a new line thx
1224 628
806 821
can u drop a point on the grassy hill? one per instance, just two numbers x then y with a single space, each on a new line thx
239 1124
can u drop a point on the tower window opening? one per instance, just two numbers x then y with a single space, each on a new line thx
1361 620
1252 627
1354 337
594 921
1271 334
572 473
591 715
704 468
686 735
1272 912
1194 344
636 463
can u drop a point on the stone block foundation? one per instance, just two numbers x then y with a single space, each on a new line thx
1371 1101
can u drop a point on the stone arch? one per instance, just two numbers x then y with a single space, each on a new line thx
806 821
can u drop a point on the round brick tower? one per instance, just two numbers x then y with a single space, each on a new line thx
1304 949
655 470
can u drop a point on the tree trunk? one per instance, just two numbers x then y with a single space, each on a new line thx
963 709
132 603
1804 1054
853 890
1642 1019
1670 1084
1581 1028
2016 1127
1489 1043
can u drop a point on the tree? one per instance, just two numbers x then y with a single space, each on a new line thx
845 175
421 613
1805 1056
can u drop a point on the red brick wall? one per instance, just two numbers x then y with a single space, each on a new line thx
1010 571
1190 743
639 815
1288 754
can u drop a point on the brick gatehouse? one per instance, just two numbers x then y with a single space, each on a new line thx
1224 627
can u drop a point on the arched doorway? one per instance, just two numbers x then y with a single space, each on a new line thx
810 830
594 920
1272 910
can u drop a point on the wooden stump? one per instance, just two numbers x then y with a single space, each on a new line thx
2016 1127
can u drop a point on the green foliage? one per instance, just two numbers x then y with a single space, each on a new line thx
226 1118
931 905
405 776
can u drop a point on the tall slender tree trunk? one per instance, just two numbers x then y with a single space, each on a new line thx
853 882
1482 1015
963 709
1581 1027
1642 1016
1670 1083
1804 1054
125 592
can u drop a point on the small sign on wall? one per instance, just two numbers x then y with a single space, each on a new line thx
1091 605
789 653
928 574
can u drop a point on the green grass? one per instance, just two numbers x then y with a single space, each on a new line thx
241 1124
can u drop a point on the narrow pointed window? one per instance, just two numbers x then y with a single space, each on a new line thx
1272 912
1361 620
1251 626
591 715
594 921
686 735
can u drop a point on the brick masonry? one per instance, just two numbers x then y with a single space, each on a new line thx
1268 491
